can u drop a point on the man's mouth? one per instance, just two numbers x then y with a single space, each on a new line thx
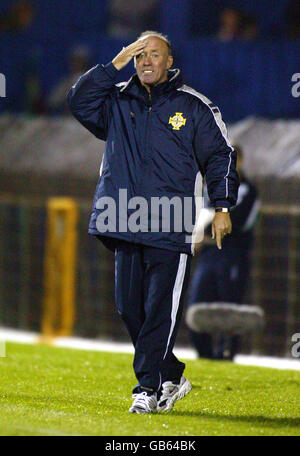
147 71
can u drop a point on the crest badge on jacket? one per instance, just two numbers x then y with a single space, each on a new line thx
177 121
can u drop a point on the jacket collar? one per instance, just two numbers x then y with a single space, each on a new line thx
134 88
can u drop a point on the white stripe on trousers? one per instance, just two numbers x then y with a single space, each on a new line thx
177 294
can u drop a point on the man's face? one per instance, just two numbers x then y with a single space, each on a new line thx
153 63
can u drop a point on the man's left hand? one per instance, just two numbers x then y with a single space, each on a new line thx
221 225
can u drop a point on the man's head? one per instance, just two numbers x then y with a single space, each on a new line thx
153 63
79 59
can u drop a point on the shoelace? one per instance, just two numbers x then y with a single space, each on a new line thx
144 401
167 389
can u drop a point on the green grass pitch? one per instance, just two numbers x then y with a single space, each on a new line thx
54 391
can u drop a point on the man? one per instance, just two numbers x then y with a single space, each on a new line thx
221 277
159 134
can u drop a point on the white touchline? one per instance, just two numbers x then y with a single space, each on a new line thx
25 337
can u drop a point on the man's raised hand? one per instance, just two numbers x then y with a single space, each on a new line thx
128 53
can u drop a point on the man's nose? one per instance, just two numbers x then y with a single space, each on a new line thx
147 60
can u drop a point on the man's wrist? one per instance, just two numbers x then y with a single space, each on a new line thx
118 66
222 209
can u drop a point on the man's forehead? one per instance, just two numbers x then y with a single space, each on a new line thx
153 35
154 42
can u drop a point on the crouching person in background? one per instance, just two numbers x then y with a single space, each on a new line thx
215 316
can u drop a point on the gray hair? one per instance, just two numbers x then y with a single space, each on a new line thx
159 35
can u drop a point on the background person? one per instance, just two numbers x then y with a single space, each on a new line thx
221 277
230 24
18 17
79 63
123 22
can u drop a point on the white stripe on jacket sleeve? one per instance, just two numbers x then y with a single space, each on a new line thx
218 119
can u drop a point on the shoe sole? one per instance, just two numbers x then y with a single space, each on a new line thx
183 391
141 411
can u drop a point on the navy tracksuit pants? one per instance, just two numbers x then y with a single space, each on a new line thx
149 285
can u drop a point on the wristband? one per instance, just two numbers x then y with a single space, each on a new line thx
222 209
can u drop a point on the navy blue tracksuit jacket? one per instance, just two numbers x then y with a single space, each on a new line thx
158 145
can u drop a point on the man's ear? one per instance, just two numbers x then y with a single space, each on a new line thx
170 62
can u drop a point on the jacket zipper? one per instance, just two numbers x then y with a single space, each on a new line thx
144 165
150 99
145 162
147 127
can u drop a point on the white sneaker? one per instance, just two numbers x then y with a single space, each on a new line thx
144 403
171 392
